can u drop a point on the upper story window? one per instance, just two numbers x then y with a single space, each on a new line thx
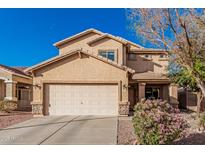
132 56
110 54
147 56
162 56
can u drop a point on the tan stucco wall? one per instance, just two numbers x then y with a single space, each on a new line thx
4 74
109 44
8 83
132 47
22 79
2 90
75 69
78 43
155 64
104 44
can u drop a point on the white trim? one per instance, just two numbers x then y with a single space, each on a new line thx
10 98
23 76
10 81
3 78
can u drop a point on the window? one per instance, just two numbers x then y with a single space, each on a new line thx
132 56
110 54
152 93
162 56
147 56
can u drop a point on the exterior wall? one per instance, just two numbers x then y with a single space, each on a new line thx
24 96
10 90
104 44
79 70
5 88
137 92
22 79
109 44
78 43
132 47
4 74
2 89
188 100
8 83
155 64
173 95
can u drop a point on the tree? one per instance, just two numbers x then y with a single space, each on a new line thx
182 33
185 79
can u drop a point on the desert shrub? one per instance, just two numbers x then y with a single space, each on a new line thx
202 121
157 122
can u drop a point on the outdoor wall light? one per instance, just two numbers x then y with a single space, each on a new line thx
125 86
37 85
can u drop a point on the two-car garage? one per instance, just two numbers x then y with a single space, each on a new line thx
82 99
79 83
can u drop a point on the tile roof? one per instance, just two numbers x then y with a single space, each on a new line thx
102 35
149 76
15 70
59 57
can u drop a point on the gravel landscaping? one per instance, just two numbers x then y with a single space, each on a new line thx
14 117
126 134
194 135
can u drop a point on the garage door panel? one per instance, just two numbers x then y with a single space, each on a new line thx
65 99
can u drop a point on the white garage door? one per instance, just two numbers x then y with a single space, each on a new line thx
82 99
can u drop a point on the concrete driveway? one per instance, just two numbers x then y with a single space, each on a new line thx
62 130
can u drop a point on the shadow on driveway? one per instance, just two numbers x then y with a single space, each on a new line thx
61 122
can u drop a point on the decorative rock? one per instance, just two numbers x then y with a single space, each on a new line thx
124 108
37 109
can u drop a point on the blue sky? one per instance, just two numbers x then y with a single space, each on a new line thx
27 35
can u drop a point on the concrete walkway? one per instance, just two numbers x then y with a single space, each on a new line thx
62 130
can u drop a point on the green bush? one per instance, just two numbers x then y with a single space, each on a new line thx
157 122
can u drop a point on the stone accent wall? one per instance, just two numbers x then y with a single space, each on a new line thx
124 108
37 109
7 105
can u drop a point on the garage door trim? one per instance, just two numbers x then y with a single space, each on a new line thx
46 105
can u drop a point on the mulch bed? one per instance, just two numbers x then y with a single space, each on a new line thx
13 117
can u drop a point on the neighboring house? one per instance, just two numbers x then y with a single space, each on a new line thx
99 74
15 85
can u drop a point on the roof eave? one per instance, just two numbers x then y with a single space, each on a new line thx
54 59
107 36
59 43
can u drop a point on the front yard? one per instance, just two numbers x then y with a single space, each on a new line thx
8 119
194 136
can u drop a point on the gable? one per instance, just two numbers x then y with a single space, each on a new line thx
5 74
79 53
80 42
106 41
66 40
79 68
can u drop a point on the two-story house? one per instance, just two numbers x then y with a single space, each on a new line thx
97 73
